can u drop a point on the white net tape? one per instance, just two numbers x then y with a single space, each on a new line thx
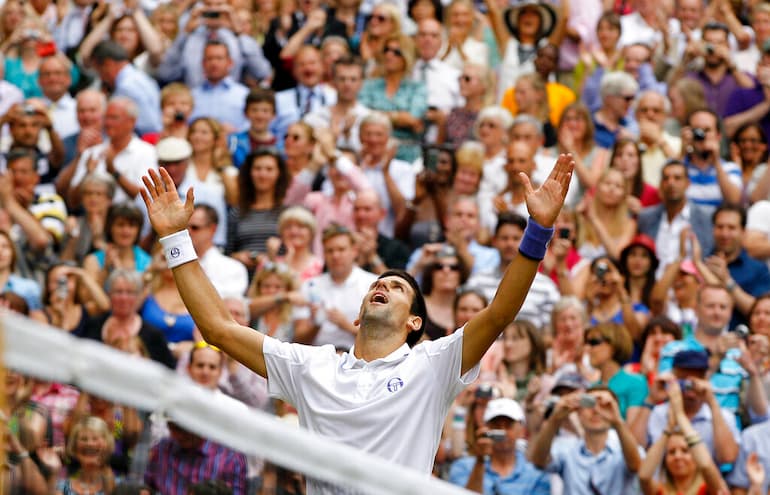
40 351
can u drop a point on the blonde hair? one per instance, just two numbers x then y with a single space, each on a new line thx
95 425
287 277
298 214
542 112
175 89
616 224
406 45
394 14
470 155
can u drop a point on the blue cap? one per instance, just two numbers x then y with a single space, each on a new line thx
691 359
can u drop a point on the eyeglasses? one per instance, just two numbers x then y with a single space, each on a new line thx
394 51
455 267
628 98
201 344
594 341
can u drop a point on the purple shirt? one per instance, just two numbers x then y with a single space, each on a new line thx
743 99
716 94
172 470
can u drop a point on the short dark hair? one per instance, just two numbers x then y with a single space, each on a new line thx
261 95
717 118
20 153
715 26
348 61
108 50
418 307
729 207
212 217
217 42
510 218
126 211
665 324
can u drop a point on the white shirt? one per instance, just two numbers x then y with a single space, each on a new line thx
667 240
322 118
636 30
404 175
132 162
346 297
757 220
442 81
228 276
64 115
392 407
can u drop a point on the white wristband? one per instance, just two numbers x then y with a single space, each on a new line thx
178 248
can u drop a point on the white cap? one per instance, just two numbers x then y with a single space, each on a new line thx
508 408
173 149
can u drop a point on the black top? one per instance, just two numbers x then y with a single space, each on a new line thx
152 338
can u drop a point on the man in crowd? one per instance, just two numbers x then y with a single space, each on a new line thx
54 79
376 251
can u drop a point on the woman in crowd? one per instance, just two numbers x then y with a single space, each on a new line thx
609 346
523 359
475 88
123 325
658 332
299 145
464 36
86 233
393 92
605 225
749 151
637 265
532 99
568 321
164 19
606 54
686 95
122 228
210 162
23 67
131 30
469 159
273 301
468 303
164 309
262 183
440 281
297 228
12 15
89 447
384 22
627 158
491 129
122 421
419 10
575 134
70 296
28 289
680 455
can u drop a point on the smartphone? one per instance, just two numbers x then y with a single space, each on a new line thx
430 155
211 14
601 269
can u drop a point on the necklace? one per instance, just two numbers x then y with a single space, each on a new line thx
169 319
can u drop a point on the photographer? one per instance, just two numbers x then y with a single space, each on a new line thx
498 467
713 180
598 463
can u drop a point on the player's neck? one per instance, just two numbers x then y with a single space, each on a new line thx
375 342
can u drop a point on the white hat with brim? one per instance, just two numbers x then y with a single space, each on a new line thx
547 17
507 408
173 149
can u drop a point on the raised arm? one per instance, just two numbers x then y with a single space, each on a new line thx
169 217
544 206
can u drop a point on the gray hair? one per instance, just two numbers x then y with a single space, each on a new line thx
243 302
128 105
92 92
568 302
298 214
617 82
62 59
498 113
377 118
100 179
330 40
131 276
652 92
527 119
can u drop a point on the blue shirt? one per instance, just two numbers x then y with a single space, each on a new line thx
753 439
704 187
294 103
412 97
603 137
629 388
28 289
587 474
525 478
223 101
135 84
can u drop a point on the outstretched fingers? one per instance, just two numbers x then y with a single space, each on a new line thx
562 171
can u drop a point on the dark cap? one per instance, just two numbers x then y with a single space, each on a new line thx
570 381
691 359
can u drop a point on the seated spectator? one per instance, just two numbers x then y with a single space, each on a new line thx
55 79
260 111
499 467
569 321
686 96
756 240
605 54
680 451
521 366
210 162
90 106
219 96
376 252
403 101
22 65
608 463
28 289
750 154
492 130
752 462
275 302
123 323
618 90
440 283
457 126
626 157
297 228
176 106
89 446
183 59
637 265
651 111
70 296
658 332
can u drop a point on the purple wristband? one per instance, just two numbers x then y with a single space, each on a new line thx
535 241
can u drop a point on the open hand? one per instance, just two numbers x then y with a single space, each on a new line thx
545 204
168 214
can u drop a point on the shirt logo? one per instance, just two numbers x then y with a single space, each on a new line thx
175 252
395 384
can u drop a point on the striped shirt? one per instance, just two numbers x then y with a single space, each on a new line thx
704 187
171 470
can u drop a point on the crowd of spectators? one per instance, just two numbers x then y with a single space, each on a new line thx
327 142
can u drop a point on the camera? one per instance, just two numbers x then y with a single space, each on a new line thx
495 435
601 269
741 331
564 233
587 401
686 384
211 14
62 287
485 391
698 134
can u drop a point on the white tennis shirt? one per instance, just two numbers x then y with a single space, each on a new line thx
392 407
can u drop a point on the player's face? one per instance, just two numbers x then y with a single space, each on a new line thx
388 299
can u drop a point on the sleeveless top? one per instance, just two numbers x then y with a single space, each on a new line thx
176 327
142 260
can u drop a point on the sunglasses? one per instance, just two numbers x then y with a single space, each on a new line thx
455 267
628 98
594 341
379 18
394 51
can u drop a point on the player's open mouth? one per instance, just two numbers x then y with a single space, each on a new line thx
379 298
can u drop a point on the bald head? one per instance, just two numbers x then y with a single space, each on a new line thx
428 39
90 107
521 158
367 210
